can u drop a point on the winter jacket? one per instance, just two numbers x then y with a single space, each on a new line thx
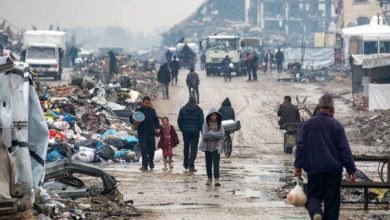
174 137
279 57
175 66
207 134
271 56
149 125
164 74
288 113
227 112
226 65
323 146
193 80
190 118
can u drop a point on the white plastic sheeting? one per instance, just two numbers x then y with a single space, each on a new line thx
315 57
372 60
23 130
379 96
44 37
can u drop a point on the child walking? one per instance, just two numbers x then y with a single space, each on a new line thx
212 144
168 140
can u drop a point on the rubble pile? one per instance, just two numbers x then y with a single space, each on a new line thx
374 130
88 121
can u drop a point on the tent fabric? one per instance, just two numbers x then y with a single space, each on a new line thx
369 32
315 57
372 60
379 96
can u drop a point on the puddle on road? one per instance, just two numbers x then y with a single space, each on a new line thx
255 194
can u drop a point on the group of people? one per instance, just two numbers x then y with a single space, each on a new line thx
168 73
322 151
270 58
194 127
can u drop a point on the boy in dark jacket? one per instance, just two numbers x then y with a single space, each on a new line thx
227 111
146 132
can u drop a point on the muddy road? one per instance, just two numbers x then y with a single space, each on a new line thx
249 177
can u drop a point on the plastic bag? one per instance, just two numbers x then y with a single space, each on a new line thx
297 196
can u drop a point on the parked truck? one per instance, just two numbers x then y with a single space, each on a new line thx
43 51
217 48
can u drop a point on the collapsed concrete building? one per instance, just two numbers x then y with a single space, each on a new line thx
277 22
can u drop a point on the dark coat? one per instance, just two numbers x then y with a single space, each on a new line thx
288 113
190 118
175 66
255 60
150 124
191 76
279 57
164 74
225 64
174 137
112 63
323 146
227 111
266 58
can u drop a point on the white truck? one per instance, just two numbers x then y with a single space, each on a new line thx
217 48
43 51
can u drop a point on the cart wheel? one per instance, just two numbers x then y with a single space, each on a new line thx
227 145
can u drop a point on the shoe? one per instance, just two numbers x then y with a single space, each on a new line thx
317 217
217 183
193 170
165 169
209 182
171 167
143 168
151 165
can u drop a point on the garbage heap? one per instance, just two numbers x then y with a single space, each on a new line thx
88 120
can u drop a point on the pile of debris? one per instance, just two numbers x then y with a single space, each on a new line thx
88 120
374 130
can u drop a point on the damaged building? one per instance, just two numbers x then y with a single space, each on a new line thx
277 22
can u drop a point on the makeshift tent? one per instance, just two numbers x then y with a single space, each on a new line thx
376 34
371 75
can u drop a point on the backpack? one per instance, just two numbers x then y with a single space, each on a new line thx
193 80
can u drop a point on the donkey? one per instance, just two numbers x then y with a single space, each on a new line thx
304 112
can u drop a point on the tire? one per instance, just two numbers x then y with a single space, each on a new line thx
227 145
208 72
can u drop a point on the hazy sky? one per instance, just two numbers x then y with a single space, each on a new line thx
135 15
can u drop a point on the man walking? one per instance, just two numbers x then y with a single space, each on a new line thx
190 122
323 151
146 133
288 113
268 60
254 64
174 66
164 77
279 57
193 83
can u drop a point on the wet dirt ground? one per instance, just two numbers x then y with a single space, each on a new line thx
256 168
249 177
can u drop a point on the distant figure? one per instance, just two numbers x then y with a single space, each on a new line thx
164 77
203 61
73 53
279 57
268 60
174 65
254 64
112 64
168 56
193 83
226 69
288 113
248 64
